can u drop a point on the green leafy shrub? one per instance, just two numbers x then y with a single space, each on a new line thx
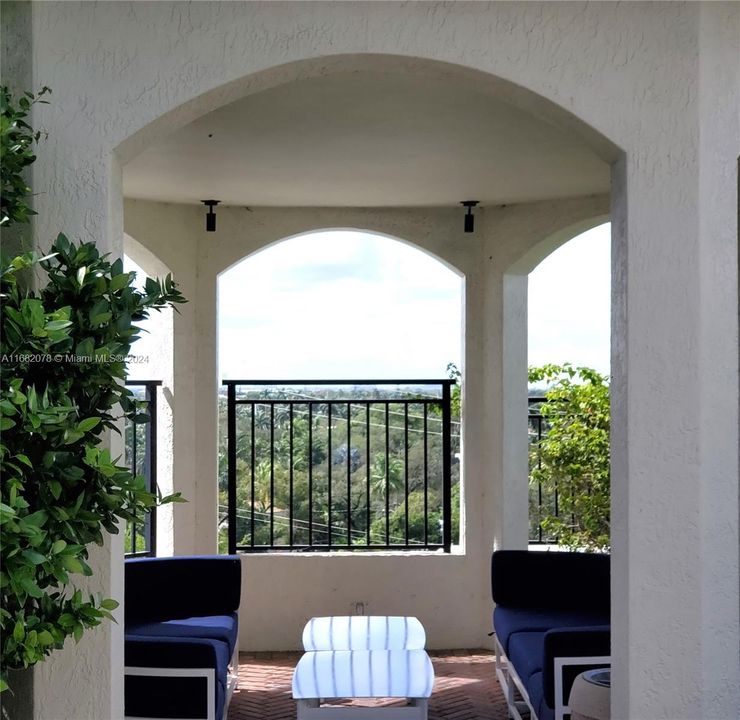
17 140
63 353
574 455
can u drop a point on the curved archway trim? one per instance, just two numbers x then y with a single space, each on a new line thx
479 80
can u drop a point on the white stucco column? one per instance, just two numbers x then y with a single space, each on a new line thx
169 234
719 341
77 184
514 411
517 238
505 390
206 390
675 404
155 362
75 683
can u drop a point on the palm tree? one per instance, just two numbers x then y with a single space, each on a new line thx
394 479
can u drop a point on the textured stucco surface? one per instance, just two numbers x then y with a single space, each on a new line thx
661 82
154 353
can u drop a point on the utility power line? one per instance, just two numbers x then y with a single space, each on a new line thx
314 525
353 421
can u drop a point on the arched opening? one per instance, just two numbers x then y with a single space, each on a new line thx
345 304
360 141
422 70
340 314
569 298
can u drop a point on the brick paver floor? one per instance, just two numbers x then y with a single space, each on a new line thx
465 687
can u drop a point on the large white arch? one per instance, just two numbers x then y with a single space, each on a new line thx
420 67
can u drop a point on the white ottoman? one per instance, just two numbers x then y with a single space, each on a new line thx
363 657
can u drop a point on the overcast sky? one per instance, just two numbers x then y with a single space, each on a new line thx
345 304
569 303
339 304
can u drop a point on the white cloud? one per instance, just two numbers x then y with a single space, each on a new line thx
339 304
570 301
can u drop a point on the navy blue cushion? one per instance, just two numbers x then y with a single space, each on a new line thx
215 627
526 650
507 620
173 697
181 587
555 580
537 699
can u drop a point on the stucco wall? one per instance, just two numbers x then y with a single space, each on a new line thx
172 246
661 82
154 360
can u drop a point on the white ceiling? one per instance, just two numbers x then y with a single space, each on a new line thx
367 139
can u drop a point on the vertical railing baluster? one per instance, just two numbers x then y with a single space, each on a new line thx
272 475
328 473
151 516
387 476
135 472
349 475
367 471
539 479
310 474
406 468
290 444
252 461
446 468
426 478
231 450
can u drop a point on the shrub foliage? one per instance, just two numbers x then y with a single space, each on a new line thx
17 140
63 350
63 364
574 455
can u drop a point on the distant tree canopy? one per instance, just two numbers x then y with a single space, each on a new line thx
573 455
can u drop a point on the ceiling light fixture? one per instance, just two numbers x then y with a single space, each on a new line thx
469 217
211 216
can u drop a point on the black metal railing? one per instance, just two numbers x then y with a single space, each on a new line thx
140 539
338 465
541 503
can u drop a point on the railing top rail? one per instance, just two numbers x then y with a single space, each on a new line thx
144 382
293 383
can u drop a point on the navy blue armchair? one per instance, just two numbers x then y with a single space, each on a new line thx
181 636
551 623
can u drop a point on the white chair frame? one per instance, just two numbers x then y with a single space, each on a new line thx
512 685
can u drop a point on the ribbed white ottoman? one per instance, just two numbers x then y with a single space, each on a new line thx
590 696
363 657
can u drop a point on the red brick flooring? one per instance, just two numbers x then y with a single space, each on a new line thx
465 687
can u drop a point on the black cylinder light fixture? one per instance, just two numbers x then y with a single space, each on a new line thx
469 217
211 216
